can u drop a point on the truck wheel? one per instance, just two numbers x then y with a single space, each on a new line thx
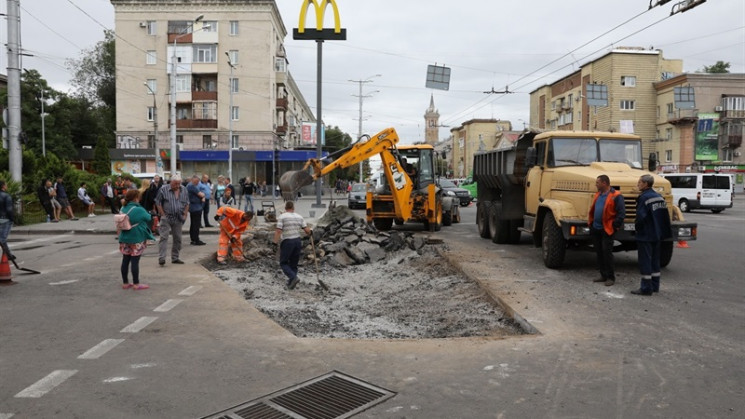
482 219
553 244
666 253
683 205
514 232
447 218
383 224
498 228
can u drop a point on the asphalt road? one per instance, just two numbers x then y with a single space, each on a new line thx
73 338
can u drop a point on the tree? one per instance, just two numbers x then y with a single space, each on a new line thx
101 159
718 68
95 79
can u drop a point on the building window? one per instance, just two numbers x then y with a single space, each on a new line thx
205 53
206 141
234 114
233 27
571 101
734 103
182 113
152 86
461 143
150 113
151 141
234 142
233 56
209 26
152 27
668 134
280 65
668 156
234 85
183 83
205 110
553 105
179 139
628 81
151 58
669 110
628 105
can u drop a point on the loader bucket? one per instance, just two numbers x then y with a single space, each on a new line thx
292 181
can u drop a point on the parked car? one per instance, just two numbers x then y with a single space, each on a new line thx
713 191
357 197
450 188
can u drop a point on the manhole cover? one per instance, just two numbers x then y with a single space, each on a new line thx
333 395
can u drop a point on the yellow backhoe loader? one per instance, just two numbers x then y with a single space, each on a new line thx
409 193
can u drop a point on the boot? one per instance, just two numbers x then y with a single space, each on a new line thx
655 284
645 289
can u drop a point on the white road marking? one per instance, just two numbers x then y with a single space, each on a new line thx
488 367
46 384
100 349
191 290
147 365
613 295
168 305
69 281
92 258
40 240
138 325
117 379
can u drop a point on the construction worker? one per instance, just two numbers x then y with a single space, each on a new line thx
232 222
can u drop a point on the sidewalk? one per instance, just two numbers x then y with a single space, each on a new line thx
103 222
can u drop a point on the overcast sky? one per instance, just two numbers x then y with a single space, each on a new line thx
486 43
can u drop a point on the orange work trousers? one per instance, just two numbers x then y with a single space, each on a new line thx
236 247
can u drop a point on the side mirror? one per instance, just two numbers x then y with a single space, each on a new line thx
531 157
652 162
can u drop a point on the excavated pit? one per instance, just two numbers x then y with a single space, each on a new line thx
382 285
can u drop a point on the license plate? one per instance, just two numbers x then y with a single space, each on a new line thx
629 227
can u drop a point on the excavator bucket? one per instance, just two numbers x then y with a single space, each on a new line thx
292 181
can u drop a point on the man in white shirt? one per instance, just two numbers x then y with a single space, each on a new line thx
289 225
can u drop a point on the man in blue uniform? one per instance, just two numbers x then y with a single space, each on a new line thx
652 227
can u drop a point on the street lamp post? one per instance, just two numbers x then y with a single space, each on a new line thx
158 163
230 120
361 96
173 95
43 115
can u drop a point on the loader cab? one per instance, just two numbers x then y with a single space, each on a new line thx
420 161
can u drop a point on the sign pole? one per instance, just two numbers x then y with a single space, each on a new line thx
319 118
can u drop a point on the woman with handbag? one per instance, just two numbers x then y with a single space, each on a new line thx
133 241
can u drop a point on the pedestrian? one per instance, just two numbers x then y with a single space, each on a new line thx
196 204
232 222
219 189
173 206
288 229
249 188
157 181
652 227
107 191
43 193
6 218
59 186
263 188
133 242
86 200
230 186
147 201
605 218
227 199
119 190
205 185
56 207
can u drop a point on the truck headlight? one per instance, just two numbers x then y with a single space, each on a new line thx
684 232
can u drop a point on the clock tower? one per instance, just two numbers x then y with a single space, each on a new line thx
432 123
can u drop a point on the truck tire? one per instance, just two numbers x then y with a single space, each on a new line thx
447 218
482 219
383 224
514 232
717 210
498 228
666 253
553 245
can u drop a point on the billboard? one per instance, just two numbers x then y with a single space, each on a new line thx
309 134
707 136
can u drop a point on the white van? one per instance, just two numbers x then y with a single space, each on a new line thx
701 190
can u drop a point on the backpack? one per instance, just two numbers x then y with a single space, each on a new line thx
121 221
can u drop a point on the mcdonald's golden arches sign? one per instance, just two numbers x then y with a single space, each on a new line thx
319 32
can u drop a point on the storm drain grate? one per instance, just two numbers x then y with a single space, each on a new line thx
330 396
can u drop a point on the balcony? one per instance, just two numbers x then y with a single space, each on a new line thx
732 114
282 103
202 95
185 38
196 123
281 129
734 141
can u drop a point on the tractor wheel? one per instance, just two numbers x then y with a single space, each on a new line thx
383 224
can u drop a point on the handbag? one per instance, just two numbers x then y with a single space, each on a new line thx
121 221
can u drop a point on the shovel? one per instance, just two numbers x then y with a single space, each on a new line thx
315 259
12 258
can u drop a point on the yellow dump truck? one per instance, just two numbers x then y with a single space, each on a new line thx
543 184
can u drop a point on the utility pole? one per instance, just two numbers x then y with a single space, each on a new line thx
14 90
158 163
359 126
230 121
43 115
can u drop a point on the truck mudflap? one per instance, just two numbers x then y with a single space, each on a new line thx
578 230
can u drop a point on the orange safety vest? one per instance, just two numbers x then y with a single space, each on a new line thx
609 211
233 222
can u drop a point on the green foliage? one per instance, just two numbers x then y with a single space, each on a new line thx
101 159
719 67
14 188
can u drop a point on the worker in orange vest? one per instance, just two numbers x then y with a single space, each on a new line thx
233 222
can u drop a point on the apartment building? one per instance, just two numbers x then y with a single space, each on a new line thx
629 75
707 135
230 70
471 137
